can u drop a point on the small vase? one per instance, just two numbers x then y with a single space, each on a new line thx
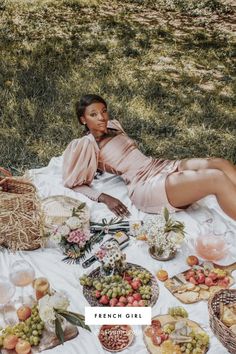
50 326
153 251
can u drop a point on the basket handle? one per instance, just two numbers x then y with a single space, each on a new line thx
5 172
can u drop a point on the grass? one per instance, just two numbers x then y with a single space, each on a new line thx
165 67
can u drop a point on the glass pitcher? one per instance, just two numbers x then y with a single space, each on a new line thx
213 240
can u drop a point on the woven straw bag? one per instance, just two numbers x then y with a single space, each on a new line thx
222 332
21 217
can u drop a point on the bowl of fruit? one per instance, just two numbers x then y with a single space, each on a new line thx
135 286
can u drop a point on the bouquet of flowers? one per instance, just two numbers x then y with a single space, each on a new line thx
164 234
74 236
53 312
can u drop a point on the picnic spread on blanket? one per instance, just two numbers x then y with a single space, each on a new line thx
77 254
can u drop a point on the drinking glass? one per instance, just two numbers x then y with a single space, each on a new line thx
7 291
21 275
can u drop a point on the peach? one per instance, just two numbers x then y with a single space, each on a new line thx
162 275
23 313
41 286
23 347
10 341
192 260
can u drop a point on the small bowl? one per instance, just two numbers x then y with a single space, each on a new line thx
112 327
160 257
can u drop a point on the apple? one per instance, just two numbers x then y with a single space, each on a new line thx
10 341
162 275
192 260
23 347
23 312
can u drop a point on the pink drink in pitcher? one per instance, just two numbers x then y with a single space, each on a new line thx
211 247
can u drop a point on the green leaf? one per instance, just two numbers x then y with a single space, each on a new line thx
81 206
166 214
74 318
59 330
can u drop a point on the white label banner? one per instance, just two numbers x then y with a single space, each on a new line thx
118 315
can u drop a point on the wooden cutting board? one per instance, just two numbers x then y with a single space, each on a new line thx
49 340
189 293
165 319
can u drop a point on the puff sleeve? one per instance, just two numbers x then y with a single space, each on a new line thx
80 161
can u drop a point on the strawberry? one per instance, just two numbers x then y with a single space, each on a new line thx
135 303
189 274
104 300
223 282
120 304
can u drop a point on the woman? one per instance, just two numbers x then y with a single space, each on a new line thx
152 183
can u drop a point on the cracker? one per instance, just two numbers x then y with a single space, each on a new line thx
204 294
188 297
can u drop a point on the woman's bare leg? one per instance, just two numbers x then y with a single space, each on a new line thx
213 163
186 187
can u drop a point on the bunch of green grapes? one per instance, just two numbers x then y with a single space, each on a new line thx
112 289
30 329
145 291
168 328
143 275
178 311
86 280
196 346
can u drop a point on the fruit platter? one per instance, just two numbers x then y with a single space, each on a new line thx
175 333
115 338
42 323
29 335
133 286
200 281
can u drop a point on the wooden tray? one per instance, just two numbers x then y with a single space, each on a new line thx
49 340
164 319
88 293
190 296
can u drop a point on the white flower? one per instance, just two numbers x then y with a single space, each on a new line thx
63 230
73 222
56 237
46 311
59 301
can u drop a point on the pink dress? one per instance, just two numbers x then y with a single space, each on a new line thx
144 176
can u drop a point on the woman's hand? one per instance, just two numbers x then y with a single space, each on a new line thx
115 205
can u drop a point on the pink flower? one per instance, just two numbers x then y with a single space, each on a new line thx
77 236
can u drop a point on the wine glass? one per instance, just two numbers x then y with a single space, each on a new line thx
7 291
22 274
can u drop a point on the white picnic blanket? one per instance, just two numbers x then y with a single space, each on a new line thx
47 262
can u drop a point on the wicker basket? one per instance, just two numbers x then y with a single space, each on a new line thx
222 332
21 218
